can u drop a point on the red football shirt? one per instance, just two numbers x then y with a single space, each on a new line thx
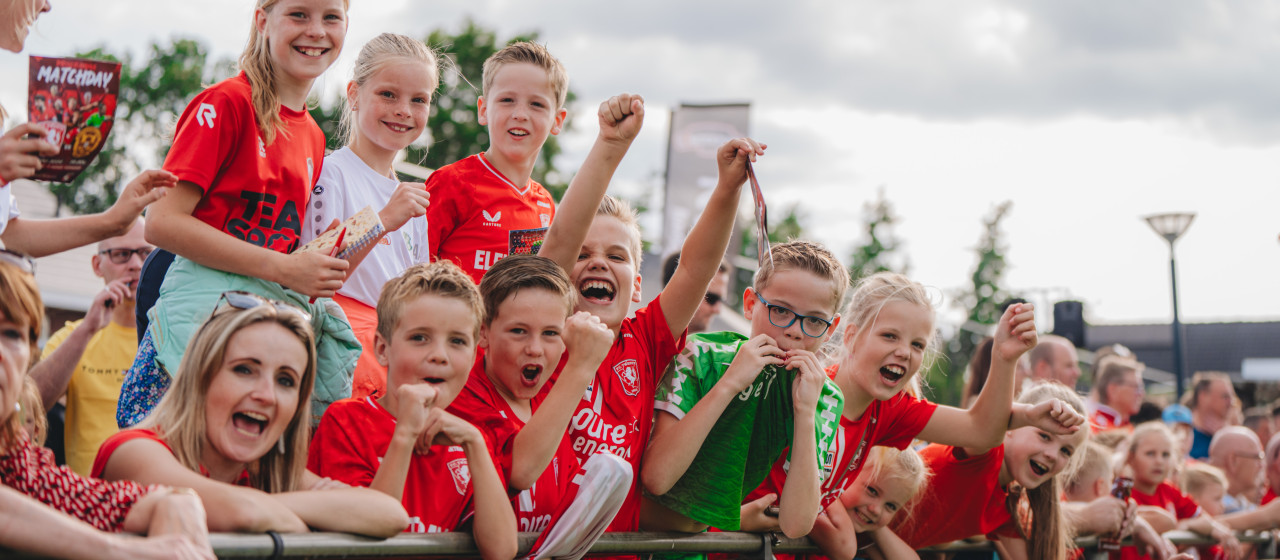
892 423
1268 496
616 412
252 191
968 491
1106 418
482 405
477 216
1168 498
354 435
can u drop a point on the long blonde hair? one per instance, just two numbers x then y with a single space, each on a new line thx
257 65
1047 532
871 294
179 418
20 303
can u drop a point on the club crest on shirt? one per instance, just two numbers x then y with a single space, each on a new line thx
629 373
461 475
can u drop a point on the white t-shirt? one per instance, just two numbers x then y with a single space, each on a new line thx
346 186
9 208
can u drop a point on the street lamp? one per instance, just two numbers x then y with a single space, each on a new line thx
1171 226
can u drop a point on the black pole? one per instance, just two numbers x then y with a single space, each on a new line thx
1177 326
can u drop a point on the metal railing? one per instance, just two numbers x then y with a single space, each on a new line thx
757 545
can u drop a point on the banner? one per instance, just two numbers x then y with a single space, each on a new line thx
696 132
75 101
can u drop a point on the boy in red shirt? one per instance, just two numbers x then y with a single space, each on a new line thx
616 411
486 207
405 444
522 339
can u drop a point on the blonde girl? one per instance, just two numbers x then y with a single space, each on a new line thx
1151 457
890 331
1010 491
388 101
246 154
883 490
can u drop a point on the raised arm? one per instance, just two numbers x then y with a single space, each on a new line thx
982 426
587 340
40 238
620 120
705 245
171 226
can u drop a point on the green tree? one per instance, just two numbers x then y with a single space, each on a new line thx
152 94
877 252
982 302
789 228
455 132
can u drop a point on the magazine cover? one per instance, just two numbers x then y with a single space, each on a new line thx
75 101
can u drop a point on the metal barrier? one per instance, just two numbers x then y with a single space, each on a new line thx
757 545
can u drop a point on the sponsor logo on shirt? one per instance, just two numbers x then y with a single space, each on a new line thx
266 222
629 373
544 204
205 114
492 220
546 220
461 475
591 433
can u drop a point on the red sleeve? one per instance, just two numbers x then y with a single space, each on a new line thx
114 442
446 208
336 454
207 132
1183 506
659 345
903 417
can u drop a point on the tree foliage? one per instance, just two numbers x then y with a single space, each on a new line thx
152 94
878 252
455 130
982 303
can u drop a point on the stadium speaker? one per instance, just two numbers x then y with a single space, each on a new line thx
1068 321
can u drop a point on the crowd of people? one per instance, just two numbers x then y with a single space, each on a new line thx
475 363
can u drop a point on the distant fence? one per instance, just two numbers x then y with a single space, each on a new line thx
756 545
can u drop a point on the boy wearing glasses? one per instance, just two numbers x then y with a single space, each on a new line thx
86 359
730 405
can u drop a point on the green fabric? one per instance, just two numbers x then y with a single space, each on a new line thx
188 296
746 440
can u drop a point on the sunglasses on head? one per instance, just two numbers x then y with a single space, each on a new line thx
24 262
239 299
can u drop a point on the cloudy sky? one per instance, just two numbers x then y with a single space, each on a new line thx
1087 115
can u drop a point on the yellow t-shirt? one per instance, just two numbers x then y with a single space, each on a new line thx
94 389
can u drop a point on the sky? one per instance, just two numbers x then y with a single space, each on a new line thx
1086 115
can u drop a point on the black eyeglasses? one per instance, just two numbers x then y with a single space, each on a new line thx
239 299
711 298
121 256
783 317
24 262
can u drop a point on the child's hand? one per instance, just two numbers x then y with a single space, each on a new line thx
621 117
312 274
807 386
326 483
1016 333
1055 417
19 156
1227 540
144 189
414 403
455 431
587 340
752 517
753 355
732 157
410 200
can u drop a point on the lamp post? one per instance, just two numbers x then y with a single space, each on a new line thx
1171 226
